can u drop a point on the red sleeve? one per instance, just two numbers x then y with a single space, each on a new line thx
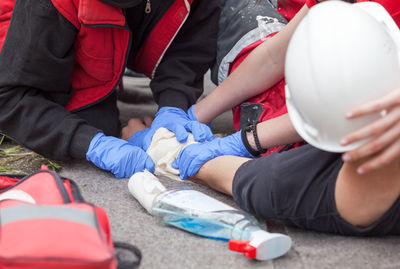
311 3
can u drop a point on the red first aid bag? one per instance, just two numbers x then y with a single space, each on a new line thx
45 223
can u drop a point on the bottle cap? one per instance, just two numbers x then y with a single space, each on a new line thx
144 186
263 245
244 247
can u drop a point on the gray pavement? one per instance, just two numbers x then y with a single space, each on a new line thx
167 247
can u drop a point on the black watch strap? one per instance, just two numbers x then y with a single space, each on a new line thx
252 128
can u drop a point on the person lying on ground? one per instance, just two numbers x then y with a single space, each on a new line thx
308 187
305 187
257 75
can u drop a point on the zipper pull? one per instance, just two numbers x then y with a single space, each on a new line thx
148 7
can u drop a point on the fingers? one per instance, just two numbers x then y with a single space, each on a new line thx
149 165
383 133
147 121
378 127
209 136
179 130
143 161
196 130
181 163
175 164
137 124
125 134
379 143
147 139
186 161
138 138
383 159
201 132
386 102
189 168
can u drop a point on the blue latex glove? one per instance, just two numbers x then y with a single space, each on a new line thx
193 157
178 122
138 138
192 115
118 156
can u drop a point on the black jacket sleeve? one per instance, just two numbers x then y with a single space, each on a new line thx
178 80
36 64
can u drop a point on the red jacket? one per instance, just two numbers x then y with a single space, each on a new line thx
71 53
98 68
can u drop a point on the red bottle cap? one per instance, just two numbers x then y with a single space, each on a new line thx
244 247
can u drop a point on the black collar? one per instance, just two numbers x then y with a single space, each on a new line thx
123 3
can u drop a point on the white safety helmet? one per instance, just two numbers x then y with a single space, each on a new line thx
340 56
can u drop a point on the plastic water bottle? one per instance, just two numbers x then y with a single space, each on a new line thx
203 215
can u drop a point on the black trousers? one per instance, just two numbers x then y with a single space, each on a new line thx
297 187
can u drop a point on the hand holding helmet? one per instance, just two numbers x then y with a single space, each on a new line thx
334 65
383 134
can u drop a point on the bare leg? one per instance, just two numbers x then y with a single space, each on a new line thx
360 199
218 173
363 199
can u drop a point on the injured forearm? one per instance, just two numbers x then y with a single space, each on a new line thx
218 173
276 132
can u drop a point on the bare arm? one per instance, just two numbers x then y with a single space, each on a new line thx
262 69
275 132
218 173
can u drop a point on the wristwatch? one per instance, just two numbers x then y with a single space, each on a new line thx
252 128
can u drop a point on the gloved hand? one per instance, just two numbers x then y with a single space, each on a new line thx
137 139
178 122
192 115
118 156
192 157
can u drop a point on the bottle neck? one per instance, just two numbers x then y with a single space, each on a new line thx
244 228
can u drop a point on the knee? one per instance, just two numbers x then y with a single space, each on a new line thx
363 199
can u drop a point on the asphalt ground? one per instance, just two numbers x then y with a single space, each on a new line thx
168 247
164 246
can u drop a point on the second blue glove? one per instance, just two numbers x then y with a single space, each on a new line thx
192 158
118 156
178 122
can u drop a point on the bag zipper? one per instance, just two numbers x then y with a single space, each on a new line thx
147 9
